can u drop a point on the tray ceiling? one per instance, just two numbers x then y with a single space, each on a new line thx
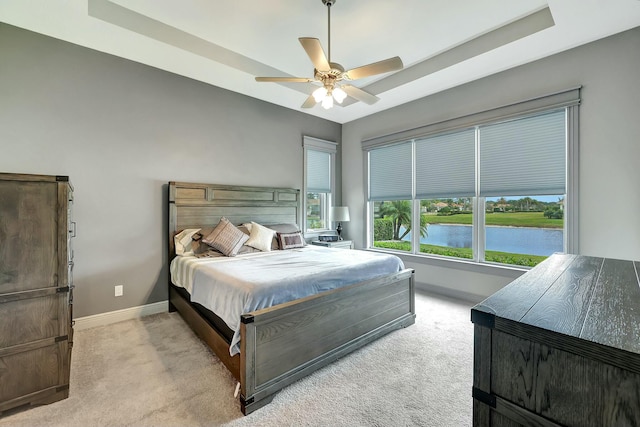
227 44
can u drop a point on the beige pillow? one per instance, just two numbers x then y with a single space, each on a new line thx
226 238
261 237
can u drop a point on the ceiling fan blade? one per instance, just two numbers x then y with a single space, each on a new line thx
391 64
284 79
360 94
314 49
310 102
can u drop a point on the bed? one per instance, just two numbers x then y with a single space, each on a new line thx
281 343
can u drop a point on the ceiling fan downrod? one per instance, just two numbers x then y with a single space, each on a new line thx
329 3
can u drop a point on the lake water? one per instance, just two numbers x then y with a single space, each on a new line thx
519 240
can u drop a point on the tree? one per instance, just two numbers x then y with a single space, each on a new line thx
553 212
399 211
465 202
444 211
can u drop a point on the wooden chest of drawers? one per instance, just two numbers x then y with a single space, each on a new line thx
36 265
560 346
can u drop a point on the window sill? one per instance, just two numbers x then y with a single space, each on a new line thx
510 271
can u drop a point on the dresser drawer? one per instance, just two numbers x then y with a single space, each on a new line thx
569 389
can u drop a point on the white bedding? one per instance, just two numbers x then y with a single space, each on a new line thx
232 286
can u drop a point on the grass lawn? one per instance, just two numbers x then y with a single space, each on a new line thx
490 256
512 219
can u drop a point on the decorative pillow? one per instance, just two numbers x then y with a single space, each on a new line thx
183 241
281 228
206 251
226 238
290 240
201 249
261 237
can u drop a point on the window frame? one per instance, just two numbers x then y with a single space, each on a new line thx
315 144
568 100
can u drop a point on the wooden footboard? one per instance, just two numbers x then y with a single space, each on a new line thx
282 344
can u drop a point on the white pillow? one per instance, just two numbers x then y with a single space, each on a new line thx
261 237
183 241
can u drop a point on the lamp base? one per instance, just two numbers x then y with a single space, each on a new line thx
339 231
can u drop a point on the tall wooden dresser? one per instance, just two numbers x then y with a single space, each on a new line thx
36 263
560 346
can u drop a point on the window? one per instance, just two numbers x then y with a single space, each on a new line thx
319 182
445 171
522 181
448 227
392 224
497 187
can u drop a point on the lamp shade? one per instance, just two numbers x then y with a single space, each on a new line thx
340 214
319 94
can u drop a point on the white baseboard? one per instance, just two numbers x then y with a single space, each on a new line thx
451 293
103 319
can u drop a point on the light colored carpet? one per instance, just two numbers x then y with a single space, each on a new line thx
155 372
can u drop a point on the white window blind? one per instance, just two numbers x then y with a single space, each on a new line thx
318 171
524 157
445 165
390 172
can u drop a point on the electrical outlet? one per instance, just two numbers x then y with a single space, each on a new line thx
119 290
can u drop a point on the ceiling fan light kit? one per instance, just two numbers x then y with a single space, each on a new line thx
329 74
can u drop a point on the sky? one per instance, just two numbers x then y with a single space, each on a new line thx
540 198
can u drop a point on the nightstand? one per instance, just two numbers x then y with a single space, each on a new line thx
341 244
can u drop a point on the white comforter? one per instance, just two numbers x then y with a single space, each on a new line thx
232 286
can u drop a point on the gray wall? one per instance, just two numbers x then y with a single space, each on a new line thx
609 177
121 131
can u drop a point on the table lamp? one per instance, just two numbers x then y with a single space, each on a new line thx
339 214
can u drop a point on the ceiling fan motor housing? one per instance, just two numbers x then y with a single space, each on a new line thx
330 77
329 2
335 71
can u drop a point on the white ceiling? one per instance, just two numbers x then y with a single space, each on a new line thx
227 44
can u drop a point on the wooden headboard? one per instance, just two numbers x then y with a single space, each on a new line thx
202 205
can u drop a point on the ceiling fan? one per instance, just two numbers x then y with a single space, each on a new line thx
329 74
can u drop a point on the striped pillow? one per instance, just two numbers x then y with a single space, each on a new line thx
226 238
